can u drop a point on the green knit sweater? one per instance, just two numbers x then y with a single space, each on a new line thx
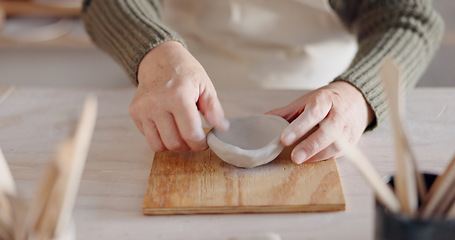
407 30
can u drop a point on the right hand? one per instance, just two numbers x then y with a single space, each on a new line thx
173 87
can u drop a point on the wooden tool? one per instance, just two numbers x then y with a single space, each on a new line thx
80 147
441 194
7 190
31 8
5 93
408 181
50 215
383 192
7 185
200 182
451 212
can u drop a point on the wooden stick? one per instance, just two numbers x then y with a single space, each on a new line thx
7 189
451 212
44 229
383 191
81 146
5 231
406 173
6 217
52 209
2 17
446 202
7 185
14 8
19 214
7 93
439 190
36 215
421 184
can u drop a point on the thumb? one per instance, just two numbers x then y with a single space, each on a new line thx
289 112
282 112
211 109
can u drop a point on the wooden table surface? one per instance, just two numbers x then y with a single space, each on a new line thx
33 121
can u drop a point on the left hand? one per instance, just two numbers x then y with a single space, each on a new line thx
340 104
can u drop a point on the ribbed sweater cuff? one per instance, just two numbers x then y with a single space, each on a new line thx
410 38
127 30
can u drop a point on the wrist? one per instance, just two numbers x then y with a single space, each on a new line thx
357 97
158 57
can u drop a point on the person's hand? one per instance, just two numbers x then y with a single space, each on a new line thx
173 87
339 104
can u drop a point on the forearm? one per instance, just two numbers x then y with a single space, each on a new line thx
126 29
408 31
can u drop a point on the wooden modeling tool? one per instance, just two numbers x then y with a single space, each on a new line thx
439 197
50 214
6 217
383 191
446 202
45 207
6 93
408 181
7 185
33 8
451 212
7 190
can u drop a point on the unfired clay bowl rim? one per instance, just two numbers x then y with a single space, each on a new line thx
257 156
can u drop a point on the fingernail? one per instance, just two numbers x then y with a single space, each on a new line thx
200 134
224 125
299 157
289 139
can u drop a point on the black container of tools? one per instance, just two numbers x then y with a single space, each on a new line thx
391 226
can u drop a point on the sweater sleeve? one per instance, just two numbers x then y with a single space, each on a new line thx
126 29
409 31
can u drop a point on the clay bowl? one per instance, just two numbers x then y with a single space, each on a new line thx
250 141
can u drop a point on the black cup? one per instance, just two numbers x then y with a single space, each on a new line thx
390 226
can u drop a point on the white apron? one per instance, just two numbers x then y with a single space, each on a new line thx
277 44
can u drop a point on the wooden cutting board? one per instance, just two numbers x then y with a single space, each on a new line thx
200 182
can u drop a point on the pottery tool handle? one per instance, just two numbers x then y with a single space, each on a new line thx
451 212
439 192
383 191
50 214
81 144
21 8
7 185
7 93
7 190
407 176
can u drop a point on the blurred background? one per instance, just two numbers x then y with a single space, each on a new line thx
43 43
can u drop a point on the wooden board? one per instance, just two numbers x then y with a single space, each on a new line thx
198 183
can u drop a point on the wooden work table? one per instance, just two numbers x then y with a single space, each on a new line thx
34 120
